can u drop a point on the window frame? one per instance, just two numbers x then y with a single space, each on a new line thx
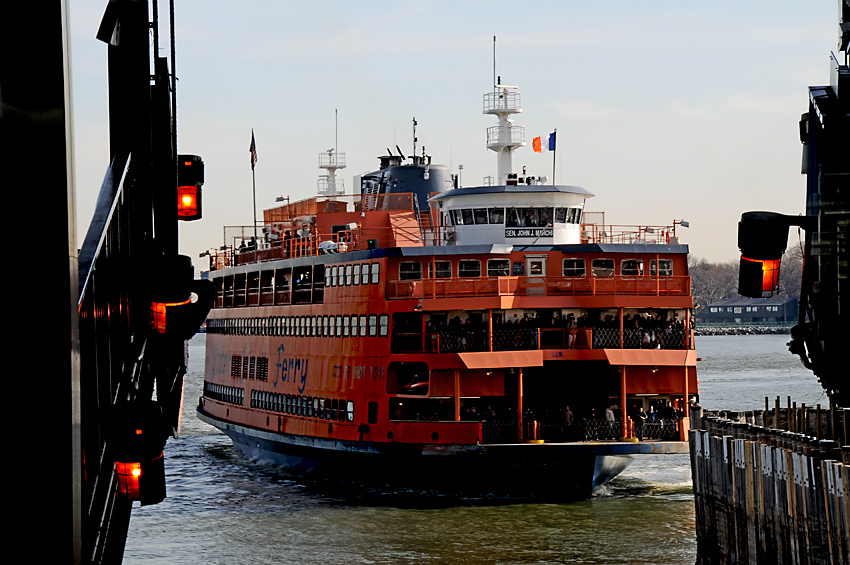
461 272
595 270
504 271
411 273
636 268
575 273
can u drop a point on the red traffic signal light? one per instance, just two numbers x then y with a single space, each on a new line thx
190 177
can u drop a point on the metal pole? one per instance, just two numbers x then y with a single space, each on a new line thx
254 182
554 151
623 401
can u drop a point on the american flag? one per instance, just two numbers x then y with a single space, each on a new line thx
253 150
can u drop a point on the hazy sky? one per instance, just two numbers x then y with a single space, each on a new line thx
664 109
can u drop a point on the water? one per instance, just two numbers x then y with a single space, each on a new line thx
222 509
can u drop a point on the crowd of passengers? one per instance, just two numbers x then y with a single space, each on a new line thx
561 423
645 332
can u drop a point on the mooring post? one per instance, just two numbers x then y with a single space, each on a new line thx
776 414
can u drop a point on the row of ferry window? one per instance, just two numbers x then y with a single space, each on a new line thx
304 326
535 217
601 267
224 393
337 410
348 275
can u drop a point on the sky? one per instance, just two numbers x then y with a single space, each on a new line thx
664 110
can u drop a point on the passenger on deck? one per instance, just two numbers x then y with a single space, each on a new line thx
640 420
568 416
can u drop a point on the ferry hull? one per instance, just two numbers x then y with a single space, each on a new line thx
550 471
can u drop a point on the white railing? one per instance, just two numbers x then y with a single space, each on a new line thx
336 160
512 135
502 101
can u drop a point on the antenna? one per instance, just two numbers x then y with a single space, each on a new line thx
336 129
494 61
414 139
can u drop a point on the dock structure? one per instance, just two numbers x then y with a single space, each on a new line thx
771 495
123 299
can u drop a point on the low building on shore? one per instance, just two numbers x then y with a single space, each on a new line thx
750 311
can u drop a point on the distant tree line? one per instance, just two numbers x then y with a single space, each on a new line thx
713 281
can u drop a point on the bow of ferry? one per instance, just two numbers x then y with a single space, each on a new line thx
492 337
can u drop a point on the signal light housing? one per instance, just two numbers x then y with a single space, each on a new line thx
190 177
762 237
138 436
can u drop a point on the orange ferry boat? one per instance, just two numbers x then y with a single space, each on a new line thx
487 337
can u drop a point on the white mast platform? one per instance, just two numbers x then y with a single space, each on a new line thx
504 138
330 184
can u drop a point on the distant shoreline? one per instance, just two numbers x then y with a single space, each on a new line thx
742 330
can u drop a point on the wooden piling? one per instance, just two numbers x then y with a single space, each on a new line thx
771 495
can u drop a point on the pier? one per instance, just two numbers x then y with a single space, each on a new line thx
771 494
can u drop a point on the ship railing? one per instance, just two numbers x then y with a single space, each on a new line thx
587 429
502 100
538 286
671 336
661 429
525 339
628 234
505 135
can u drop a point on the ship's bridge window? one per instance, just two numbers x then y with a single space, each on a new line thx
363 325
567 215
480 216
348 269
602 267
364 273
373 325
345 326
496 216
528 217
665 268
498 267
631 267
574 268
469 268
340 279
376 273
440 269
356 279
383 324
328 280
561 215
410 270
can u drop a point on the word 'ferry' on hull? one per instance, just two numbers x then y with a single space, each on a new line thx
488 337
